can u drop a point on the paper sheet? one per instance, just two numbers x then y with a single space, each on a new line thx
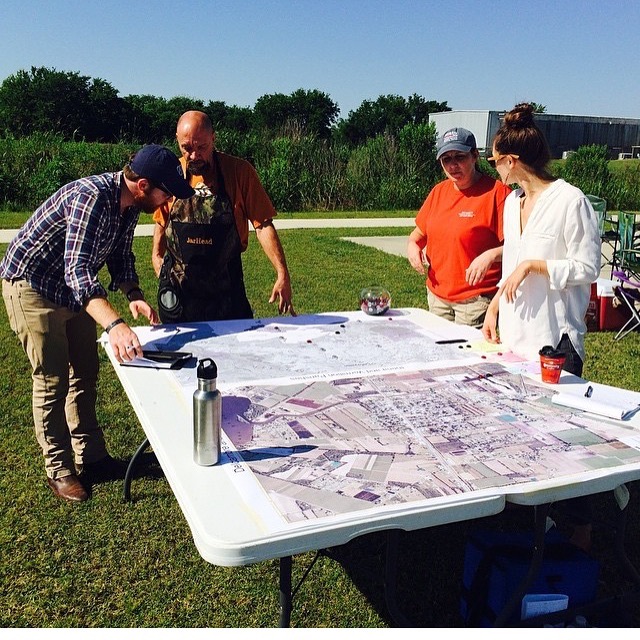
537 604
618 411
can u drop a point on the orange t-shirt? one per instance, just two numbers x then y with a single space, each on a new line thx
459 226
250 201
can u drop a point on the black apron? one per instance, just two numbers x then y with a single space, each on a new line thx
201 277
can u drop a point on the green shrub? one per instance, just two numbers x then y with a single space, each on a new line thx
301 172
20 161
624 190
33 168
368 165
422 170
588 169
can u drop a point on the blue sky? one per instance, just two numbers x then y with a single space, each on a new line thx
574 56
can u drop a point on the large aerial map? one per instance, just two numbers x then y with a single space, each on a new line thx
327 447
338 413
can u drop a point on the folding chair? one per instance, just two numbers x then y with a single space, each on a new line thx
608 228
627 253
629 293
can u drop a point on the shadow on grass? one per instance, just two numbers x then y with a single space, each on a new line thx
145 466
431 562
429 573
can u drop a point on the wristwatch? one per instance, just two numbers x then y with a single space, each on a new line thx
135 290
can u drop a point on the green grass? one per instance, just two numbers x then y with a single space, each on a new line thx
401 213
109 564
621 166
13 219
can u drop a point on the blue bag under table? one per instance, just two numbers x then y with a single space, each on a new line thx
496 562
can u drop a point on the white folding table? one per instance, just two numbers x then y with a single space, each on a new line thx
232 519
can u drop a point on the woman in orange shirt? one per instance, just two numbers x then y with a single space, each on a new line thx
458 233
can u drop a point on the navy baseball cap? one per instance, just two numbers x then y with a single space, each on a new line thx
162 167
457 139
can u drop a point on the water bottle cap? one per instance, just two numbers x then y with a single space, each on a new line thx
207 369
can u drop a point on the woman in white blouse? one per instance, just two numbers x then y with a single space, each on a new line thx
551 249
551 256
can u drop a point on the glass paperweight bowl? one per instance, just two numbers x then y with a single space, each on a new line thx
375 300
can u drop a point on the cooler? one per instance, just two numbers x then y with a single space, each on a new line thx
612 313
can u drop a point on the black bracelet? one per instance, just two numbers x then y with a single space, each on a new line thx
134 290
113 324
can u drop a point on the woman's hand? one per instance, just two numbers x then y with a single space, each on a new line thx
490 324
416 257
479 266
510 285
477 270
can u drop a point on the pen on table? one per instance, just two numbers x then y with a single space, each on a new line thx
588 392
522 384
453 341
630 413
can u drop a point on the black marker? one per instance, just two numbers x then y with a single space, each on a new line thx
454 341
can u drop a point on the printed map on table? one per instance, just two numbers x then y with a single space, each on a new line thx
330 344
325 447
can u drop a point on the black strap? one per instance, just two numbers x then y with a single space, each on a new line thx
476 594
221 191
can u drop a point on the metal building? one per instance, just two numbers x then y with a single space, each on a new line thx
564 133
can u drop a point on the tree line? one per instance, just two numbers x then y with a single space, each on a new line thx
77 107
58 126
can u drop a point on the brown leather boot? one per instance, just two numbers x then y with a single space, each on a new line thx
68 488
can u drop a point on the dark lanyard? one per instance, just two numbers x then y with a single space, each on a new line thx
221 190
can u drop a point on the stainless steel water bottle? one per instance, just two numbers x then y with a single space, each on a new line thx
207 415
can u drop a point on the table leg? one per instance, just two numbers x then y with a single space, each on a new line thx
621 552
286 595
391 579
541 513
126 491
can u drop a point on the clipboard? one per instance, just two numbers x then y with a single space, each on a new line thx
619 410
153 359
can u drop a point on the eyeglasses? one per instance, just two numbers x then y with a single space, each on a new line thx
458 158
162 188
493 160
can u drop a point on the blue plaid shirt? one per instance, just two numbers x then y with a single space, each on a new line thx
70 237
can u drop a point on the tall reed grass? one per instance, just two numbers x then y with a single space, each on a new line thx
301 172
32 168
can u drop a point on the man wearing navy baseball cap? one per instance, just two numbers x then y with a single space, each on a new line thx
54 300
162 167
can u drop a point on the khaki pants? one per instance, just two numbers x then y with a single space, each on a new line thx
470 312
61 347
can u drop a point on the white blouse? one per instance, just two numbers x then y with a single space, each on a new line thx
563 230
